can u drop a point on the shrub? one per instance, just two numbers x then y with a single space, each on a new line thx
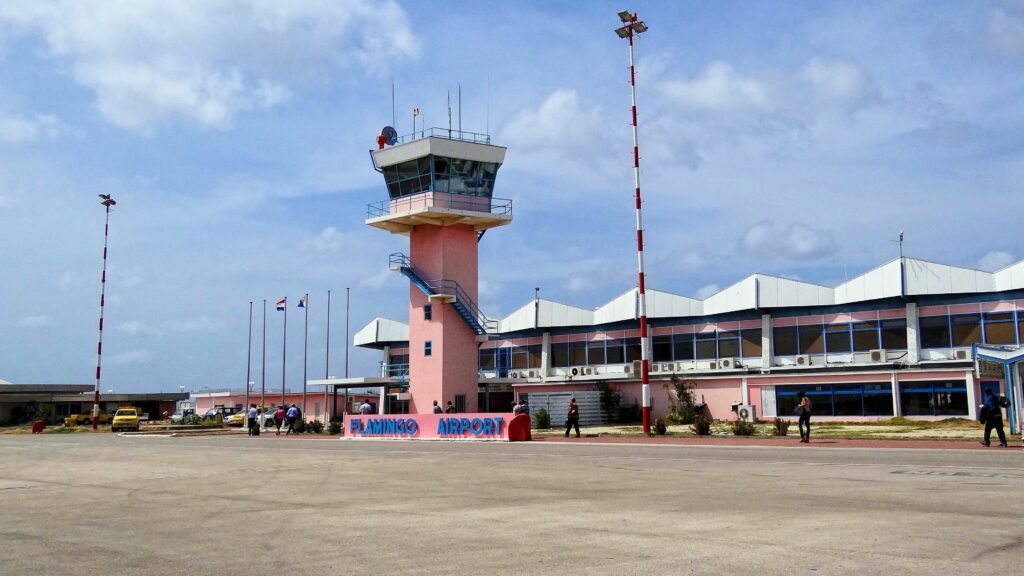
299 427
683 410
335 427
192 420
541 419
701 425
610 400
780 427
659 427
315 427
743 428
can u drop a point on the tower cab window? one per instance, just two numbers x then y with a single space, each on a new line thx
427 311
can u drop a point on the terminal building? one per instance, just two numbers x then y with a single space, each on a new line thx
909 338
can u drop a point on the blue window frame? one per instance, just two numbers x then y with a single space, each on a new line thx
428 348
872 399
939 398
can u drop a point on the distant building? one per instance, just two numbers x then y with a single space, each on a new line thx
53 402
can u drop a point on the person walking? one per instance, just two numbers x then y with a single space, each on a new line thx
437 408
804 410
992 414
365 407
292 415
450 408
253 420
572 418
279 418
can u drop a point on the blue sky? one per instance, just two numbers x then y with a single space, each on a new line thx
791 138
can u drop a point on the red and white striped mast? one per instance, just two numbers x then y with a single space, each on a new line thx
107 202
632 27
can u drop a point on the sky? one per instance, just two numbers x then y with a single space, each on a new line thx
787 138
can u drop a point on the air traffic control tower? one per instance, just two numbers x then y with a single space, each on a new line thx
440 186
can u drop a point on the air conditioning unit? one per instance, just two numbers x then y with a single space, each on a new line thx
803 360
655 368
961 354
532 374
588 370
745 412
713 365
878 355
514 374
727 363
575 371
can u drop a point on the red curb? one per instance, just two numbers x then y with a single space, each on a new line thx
780 442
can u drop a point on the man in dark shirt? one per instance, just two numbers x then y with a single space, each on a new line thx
993 418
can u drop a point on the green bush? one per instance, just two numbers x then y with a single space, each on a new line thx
660 428
335 427
780 427
610 400
701 425
315 427
682 410
299 427
541 419
741 427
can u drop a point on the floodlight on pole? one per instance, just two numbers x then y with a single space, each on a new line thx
107 201
632 28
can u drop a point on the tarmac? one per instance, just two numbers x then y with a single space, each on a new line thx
110 504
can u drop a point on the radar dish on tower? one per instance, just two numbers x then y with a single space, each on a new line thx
390 135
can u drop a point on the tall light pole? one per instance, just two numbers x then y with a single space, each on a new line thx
630 28
107 202
248 370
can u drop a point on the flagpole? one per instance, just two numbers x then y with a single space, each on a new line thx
327 364
263 374
284 349
346 345
248 369
305 353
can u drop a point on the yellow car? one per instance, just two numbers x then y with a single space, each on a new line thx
86 419
126 418
236 419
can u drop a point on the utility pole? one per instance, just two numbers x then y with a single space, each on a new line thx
107 202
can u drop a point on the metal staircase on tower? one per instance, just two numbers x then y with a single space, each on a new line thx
446 291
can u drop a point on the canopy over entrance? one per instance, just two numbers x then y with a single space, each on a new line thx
1011 360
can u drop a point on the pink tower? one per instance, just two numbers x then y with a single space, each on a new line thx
440 184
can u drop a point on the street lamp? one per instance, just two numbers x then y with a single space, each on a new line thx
107 202
631 27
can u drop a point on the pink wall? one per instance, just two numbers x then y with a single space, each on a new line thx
429 427
448 252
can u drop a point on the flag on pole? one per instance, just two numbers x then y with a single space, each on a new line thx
302 301
282 303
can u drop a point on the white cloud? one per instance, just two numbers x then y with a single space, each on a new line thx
206 61
995 260
331 240
797 242
199 324
17 130
69 279
720 88
1005 33
130 357
838 83
135 328
562 137
35 321
707 291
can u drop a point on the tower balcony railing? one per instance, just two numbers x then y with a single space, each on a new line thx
462 303
448 133
399 372
448 200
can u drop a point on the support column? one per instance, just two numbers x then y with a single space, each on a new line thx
767 343
387 360
894 382
972 396
745 390
545 356
383 399
913 342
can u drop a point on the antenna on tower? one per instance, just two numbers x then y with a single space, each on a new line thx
394 121
460 109
488 124
449 113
